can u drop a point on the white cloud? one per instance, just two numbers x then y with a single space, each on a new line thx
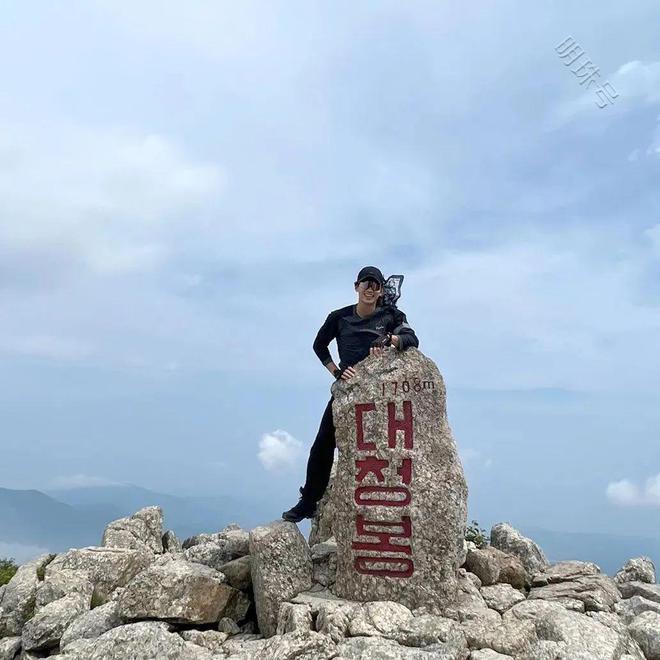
80 481
627 493
279 451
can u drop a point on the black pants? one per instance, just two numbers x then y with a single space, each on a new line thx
320 459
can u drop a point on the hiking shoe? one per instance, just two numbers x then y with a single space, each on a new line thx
304 509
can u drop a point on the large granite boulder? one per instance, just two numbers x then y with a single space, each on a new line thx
19 596
178 591
106 568
144 529
399 494
281 567
508 539
639 569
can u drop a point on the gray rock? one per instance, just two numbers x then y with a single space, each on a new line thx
209 553
574 582
106 568
629 608
488 654
294 616
333 618
237 572
63 583
648 591
492 566
645 630
92 624
9 647
300 644
470 604
638 569
509 637
423 468
19 596
177 591
501 597
144 529
171 542
324 560
208 639
508 539
281 567
228 626
430 630
44 629
243 647
143 640
238 606
378 648
378 618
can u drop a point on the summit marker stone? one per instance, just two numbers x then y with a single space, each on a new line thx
399 494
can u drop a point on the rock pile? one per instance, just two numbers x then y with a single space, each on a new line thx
266 593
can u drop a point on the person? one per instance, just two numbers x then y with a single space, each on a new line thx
361 329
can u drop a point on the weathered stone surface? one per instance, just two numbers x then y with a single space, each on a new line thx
106 568
177 591
505 537
421 465
208 639
470 604
63 583
294 616
379 618
501 597
489 654
9 647
638 569
143 640
333 618
492 566
300 644
324 560
171 542
629 608
44 629
243 647
509 637
19 596
378 648
238 606
321 528
228 626
237 572
648 591
233 540
144 529
645 630
281 567
574 632
92 624
429 630
575 581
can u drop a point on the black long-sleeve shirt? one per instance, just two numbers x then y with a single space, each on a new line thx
355 334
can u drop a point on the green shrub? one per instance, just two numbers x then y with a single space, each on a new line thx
7 569
477 535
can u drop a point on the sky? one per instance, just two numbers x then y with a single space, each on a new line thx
187 189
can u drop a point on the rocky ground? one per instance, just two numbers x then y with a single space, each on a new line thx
266 594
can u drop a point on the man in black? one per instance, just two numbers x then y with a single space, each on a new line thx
360 329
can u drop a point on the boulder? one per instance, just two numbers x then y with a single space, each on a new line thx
489 654
645 630
92 624
324 560
501 597
177 591
381 619
492 566
281 567
171 542
638 569
237 572
106 568
508 539
18 602
208 639
399 494
294 616
629 608
300 644
144 529
44 630
9 647
634 588
63 583
378 648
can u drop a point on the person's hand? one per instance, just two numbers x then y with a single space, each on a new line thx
395 341
376 350
347 374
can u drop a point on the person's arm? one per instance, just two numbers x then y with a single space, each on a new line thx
327 332
403 336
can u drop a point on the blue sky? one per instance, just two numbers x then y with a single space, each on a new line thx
187 191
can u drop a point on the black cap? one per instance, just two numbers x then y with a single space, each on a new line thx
370 272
